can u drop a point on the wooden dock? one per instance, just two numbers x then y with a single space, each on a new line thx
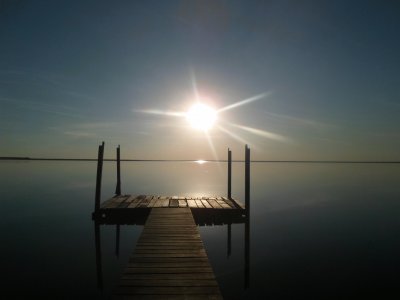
169 261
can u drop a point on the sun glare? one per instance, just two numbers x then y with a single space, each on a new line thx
201 116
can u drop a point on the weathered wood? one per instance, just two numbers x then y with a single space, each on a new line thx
118 187
98 177
214 204
192 203
182 203
169 258
168 282
163 290
206 204
229 173
174 203
247 180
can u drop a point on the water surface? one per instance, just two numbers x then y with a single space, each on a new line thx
317 230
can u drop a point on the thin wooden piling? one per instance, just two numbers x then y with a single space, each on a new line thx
247 222
247 179
118 188
229 174
98 177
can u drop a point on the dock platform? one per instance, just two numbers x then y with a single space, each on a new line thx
128 209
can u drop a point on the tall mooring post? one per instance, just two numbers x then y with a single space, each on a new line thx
229 174
247 179
247 222
98 177
118 187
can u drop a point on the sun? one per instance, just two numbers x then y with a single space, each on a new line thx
201 116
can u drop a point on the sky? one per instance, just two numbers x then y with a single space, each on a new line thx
323 76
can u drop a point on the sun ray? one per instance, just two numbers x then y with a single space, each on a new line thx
235 136
161 112
263 133
214 152
210 143
194 85
244 102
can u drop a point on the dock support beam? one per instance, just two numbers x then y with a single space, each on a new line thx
247 179
118 188
229 174
98 177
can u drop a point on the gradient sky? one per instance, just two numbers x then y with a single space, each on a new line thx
75 73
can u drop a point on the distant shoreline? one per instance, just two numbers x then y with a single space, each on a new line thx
195 160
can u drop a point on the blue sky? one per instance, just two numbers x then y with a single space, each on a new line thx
75 73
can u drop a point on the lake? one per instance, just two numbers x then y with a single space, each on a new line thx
317 230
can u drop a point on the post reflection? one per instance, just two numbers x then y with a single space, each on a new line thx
247 252
229 246
99 270
117 234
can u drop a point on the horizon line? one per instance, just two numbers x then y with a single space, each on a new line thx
203 160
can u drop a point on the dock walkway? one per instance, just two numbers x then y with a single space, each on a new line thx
169 261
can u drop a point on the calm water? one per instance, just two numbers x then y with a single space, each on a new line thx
317 230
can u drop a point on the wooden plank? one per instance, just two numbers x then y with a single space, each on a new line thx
237 203
173 203
131 198
163 290
134 203
169 260
169 264
182 203
167 297
167 270
206 204
153 201
168 282
199 276
223 204
105 203
192 203
214 204
199 204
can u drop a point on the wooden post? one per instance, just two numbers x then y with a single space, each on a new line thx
247 221
247 179
98 177
229 174
118 188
